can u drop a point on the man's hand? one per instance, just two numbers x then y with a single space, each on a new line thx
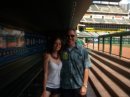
83 91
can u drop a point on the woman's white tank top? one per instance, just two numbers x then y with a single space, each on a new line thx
53 80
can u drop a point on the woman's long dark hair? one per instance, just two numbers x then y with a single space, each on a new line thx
51 44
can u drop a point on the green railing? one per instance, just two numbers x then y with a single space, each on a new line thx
116 44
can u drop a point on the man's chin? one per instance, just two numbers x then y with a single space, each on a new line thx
70 44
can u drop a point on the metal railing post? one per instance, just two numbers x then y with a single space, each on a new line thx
93 42
98 42
110 45
120 53
103 44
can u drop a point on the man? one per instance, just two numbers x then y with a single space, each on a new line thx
76 63
80 42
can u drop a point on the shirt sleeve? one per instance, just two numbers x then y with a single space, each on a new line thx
87 61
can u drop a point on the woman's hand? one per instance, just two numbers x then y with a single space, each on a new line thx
83 91
44 94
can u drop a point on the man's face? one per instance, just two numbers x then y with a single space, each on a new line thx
71 38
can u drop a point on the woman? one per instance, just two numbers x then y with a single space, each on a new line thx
52 67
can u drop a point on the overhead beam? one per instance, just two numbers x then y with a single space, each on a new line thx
108 0
79 9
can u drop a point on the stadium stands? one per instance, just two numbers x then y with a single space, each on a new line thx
89 20
105 18
106 21
99 20
106 8
127 21
110 21
84 34
94 34
83 20
102 33
94 8
111 14
103 8
120 21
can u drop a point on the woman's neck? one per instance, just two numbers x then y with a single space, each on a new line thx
55 52
55 55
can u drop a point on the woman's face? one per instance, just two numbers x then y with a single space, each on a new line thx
57 45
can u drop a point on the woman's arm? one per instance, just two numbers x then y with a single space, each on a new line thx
45 73
45 70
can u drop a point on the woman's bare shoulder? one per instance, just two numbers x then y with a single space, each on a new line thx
46 55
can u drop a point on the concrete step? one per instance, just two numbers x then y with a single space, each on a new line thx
113 65
125 63
97 86
110 85
119 79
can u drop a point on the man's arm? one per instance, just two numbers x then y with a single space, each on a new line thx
85 79
87 65
83 90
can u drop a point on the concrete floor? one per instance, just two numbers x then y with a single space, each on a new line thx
90 92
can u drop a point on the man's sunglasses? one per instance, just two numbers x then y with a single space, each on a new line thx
70 36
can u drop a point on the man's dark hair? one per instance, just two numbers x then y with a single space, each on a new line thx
69 29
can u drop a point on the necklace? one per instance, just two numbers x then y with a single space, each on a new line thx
55 57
